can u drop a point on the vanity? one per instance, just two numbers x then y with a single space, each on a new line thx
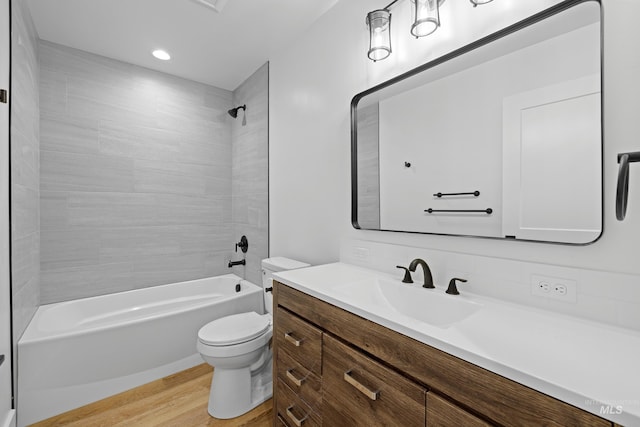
342 358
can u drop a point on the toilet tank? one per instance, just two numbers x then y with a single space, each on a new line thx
273 265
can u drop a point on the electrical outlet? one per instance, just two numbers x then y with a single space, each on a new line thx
554 288
559 289
540 286
543 287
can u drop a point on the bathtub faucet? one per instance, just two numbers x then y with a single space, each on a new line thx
243 244
241 262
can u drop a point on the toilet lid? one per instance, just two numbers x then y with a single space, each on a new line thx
234 329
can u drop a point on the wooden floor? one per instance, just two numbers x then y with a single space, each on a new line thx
178 400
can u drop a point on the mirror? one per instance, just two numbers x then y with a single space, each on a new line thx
501 138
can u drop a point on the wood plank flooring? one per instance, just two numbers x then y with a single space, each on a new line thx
179 400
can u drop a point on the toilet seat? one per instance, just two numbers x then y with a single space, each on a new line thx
234 329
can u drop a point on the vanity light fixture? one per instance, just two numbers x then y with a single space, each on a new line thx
161 54
379 23
426 19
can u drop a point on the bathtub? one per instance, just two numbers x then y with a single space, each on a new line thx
76 352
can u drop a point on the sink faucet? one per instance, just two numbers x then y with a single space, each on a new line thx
428 280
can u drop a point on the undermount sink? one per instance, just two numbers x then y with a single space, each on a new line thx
431 306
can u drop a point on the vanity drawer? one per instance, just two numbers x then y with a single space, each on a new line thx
300 339
359 391
293 410
441 412
302 381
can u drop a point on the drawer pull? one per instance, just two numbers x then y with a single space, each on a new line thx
292 340
297 421
296 381
373 395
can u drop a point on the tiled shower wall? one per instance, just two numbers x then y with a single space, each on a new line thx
250 171
25 147
135 181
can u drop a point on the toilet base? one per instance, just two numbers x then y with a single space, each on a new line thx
237 391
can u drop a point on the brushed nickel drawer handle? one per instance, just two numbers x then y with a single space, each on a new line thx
292 340
373 395
296 381
297 421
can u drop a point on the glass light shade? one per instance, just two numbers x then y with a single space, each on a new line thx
426 17
379 23
477 2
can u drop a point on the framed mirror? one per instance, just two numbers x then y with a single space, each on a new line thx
501 138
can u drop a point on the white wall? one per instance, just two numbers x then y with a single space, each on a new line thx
310 86
314 79
6 411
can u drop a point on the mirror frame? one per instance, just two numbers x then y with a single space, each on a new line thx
540 16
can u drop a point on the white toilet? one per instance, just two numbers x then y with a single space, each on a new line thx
238 347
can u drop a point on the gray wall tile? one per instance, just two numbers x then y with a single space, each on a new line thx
368 167
66 135
69 247
69 171
250 172
135 176
140 182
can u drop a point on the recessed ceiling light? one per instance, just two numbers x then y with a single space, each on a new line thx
161 54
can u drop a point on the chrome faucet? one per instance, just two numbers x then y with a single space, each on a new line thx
428 279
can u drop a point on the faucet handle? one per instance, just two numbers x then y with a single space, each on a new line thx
453 289
243 244
407 275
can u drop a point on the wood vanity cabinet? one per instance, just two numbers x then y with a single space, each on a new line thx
297 369
359 391
334 368
441 412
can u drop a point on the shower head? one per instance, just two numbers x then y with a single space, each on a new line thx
234 111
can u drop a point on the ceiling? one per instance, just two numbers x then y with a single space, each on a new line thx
221 49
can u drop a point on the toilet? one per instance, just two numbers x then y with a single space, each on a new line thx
238 347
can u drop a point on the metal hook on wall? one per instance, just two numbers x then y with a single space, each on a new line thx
622 192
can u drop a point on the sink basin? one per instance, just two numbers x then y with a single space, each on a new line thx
431 306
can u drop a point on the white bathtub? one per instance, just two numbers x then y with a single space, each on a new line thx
76 352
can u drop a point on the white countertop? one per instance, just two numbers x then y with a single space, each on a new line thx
593 366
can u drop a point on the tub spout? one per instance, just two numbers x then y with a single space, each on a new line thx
241 262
